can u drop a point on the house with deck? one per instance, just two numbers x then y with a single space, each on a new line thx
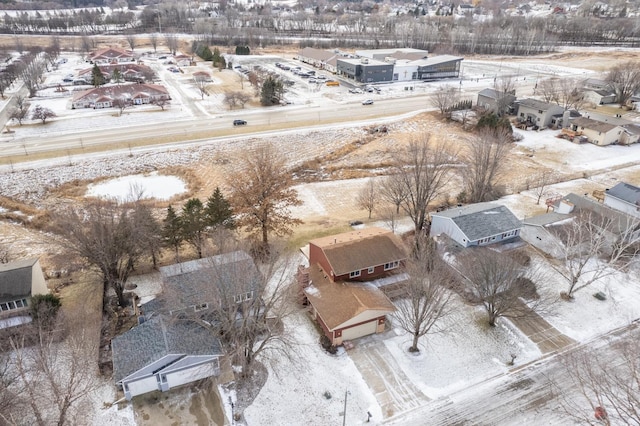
597 132
478 224
537 113
495 101
347 281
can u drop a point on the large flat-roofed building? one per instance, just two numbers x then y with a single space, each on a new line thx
365 70
437 67
400 53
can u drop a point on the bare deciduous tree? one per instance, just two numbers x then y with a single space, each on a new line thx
606 388
565 92
246 305
201 83
262 193
172 42
105 235
153 39
499 283
540 183
234 98
393 190
422 167
625 80
161 102
368 196
31 75
504 87
424 303
54 360
121 104
593 247
484 161
444 98
42 113
131 40
19 112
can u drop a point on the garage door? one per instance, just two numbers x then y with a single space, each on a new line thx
359 330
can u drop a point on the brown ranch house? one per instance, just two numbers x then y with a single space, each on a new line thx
346 281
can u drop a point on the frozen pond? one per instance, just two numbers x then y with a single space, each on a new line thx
160 187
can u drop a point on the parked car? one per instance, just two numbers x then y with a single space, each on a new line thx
239 122
367 102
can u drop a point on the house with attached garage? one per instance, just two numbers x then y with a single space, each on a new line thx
19 281
176 341
163 353
347 279
476 224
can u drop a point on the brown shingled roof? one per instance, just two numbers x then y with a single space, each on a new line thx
361 249
337 303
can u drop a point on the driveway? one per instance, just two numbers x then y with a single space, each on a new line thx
540 332
394 391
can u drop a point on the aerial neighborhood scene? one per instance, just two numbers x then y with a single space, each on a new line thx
318 213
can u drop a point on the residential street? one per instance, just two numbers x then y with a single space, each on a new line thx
525 396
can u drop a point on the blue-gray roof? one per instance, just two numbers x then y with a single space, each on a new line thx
159 337
482 220
625 192
207 280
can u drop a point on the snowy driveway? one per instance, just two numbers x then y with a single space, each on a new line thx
394 391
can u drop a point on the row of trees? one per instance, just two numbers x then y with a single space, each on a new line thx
115 237
421 172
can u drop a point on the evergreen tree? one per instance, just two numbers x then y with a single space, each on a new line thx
116 75
215 58
218 210
193 221
272 91
97 79
172 231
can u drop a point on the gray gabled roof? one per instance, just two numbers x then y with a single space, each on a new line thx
536 104
206 280
146 344
482 220
625 192
16 279
545 219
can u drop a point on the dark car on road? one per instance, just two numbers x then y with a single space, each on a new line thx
239 122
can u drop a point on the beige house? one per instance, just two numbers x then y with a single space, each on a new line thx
111 55
597 132
103 97
318 58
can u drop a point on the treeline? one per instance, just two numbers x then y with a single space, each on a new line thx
507 35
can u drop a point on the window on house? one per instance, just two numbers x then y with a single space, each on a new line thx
4 306
391 265
370 270
354 274
243 297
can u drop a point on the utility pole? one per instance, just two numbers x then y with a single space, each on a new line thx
344 413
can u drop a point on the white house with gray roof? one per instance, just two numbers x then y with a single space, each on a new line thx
476 224
625 198
163 353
